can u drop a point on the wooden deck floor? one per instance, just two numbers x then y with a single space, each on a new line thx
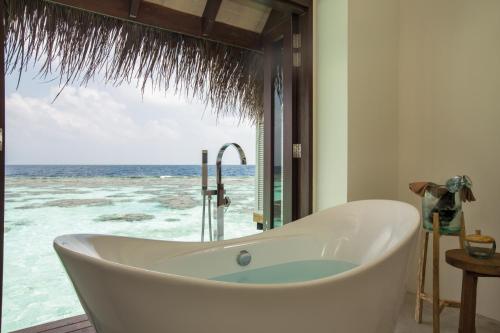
406 323
78 324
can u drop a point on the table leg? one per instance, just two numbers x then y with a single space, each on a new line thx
468 308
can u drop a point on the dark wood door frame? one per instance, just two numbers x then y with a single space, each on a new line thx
296 33
304 114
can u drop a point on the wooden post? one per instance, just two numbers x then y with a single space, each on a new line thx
438 304
435 273
421 275
462 230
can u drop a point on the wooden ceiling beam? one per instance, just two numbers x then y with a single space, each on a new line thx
134 8
166 18
209 15
286 6
274 19
303 3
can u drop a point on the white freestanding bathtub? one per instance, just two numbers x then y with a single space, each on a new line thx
129 285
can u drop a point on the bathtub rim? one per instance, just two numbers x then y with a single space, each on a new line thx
186 279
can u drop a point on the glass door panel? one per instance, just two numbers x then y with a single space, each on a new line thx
277 109
278 121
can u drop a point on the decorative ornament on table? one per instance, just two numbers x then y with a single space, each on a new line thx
480 246
446 200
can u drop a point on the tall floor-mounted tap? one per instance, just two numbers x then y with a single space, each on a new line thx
223 201
207 194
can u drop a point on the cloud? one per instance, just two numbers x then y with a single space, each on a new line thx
108 125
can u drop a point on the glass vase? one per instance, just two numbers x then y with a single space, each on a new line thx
449 208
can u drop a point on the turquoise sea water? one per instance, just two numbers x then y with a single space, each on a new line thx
296 271
116 201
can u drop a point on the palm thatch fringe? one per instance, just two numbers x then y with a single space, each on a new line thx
77 45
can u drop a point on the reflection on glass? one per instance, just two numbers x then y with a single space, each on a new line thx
278 140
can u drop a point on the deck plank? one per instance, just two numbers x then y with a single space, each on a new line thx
90 329
77 327
77 324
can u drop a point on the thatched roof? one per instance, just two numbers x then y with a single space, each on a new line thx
78 45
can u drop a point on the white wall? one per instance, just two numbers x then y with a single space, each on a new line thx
417 99
331 103
449 120
356 104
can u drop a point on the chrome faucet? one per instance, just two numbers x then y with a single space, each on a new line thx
223 201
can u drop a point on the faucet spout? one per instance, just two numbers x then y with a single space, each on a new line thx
222 201
243 158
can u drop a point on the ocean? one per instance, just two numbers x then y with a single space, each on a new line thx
146 201
132 171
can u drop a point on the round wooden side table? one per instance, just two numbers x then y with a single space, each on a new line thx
472 269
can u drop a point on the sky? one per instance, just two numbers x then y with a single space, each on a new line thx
103 124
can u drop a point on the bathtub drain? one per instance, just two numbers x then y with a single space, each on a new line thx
243 258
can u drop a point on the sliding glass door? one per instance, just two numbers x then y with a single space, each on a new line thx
287 42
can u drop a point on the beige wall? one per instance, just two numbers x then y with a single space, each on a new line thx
449 120
373 99
417 99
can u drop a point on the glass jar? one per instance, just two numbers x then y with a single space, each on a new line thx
449 207
480 246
